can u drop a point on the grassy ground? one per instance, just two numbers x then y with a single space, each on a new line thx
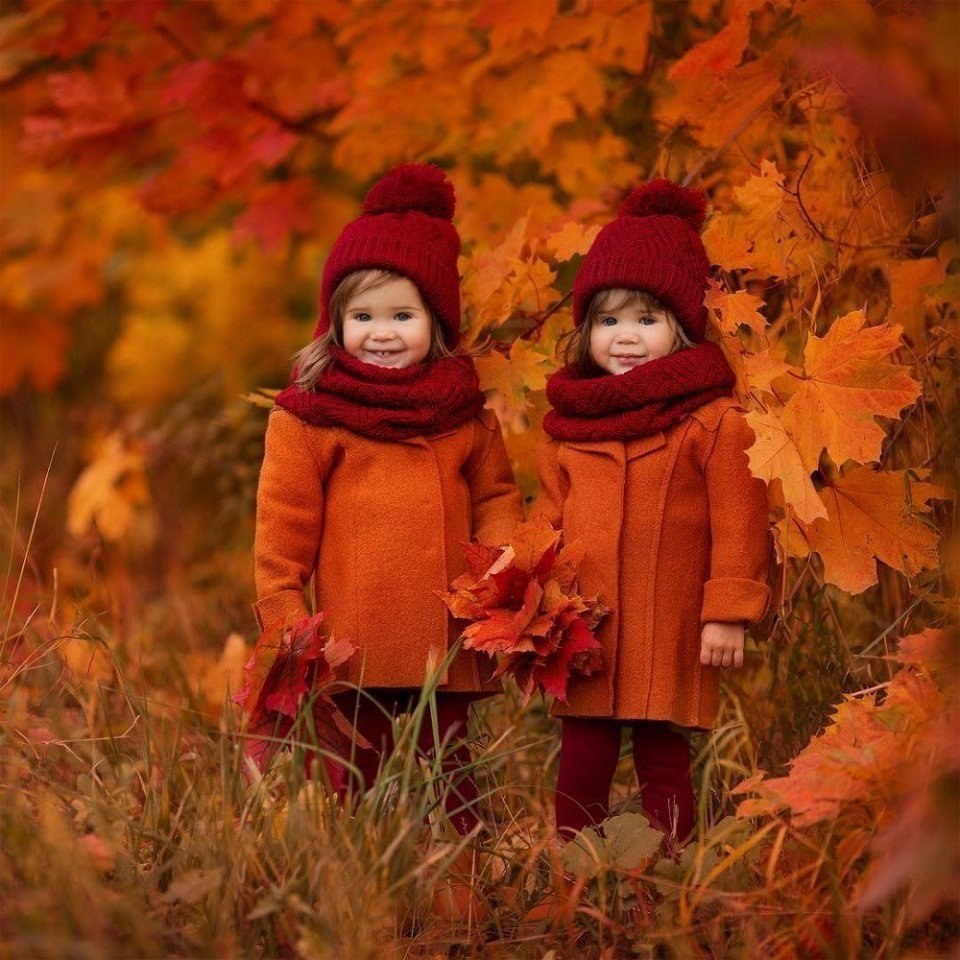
129 827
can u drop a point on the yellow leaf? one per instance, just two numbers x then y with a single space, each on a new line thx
790 539
727 243
586 167
781 242
215 680
488 208
109 491
762 369
526 369
774 456
571 239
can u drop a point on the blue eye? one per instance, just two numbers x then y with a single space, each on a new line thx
608 321
361 316
648 321
403 316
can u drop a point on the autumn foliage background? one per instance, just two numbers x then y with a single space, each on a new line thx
172 175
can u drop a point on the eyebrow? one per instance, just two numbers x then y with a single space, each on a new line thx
645 311
363 308
642 311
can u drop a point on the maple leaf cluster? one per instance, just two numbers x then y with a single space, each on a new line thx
878 773
526 612
291 662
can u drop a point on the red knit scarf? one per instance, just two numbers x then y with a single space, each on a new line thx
387 404
645 400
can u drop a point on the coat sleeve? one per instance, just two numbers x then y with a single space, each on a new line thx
289 520
553 484
737 589
495 500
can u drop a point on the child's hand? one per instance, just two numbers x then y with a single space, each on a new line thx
721 644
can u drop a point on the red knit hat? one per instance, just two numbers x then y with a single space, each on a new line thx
405 227
654 245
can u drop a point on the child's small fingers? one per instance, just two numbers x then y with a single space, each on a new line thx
726 658
738 657
705 656
716 658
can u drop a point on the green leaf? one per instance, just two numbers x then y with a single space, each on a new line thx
631 841
585 853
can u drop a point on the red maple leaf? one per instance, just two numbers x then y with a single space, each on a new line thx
525 610
291 663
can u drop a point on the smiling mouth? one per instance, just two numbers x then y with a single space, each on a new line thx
384 353
629 359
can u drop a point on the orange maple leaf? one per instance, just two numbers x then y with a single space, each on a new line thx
721 53
873 514
849 382
572 239
526 369
736 310
910 283
34 347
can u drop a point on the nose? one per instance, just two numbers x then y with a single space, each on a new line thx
382 331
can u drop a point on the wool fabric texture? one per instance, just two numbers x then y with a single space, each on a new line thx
640 402
386 403
378 527
675 534
405 228
653 245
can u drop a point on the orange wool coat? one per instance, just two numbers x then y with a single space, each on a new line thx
381 523
676 534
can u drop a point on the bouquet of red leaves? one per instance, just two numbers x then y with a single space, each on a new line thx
526 611
289 662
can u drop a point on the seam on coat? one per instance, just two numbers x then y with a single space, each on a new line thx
483 459
354 560
614 667
304 432
728 403
654 548
444 648
322 472
714 437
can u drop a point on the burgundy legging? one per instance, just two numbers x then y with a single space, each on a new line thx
372 719
589 751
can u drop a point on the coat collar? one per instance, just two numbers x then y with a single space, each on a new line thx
421 441
621 450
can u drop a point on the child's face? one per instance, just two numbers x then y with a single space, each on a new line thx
630 336
388 325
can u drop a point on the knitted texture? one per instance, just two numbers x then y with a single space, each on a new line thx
640 402
675 533
405 228
378 526
386 403
654 245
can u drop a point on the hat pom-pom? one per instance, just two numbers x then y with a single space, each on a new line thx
412 186
664 197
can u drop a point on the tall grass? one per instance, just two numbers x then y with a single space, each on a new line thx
131 828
